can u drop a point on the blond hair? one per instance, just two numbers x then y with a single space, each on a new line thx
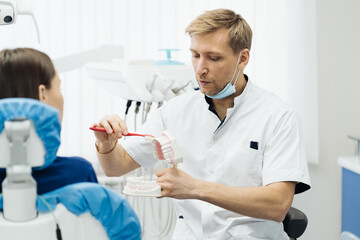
239 31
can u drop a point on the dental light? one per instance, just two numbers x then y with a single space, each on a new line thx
10 9
7 13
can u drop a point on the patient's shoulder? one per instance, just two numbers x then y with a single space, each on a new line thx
76 164
74 161
69 170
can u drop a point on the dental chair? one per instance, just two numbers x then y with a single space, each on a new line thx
348 236
29 139
295 223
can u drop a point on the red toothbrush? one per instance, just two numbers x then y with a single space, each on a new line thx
101 129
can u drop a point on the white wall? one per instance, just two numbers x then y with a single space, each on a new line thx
338 38
278 62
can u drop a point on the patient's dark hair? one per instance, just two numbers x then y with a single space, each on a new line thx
22 70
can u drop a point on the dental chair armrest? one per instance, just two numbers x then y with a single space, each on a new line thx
295 223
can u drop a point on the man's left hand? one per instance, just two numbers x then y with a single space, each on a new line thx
176 183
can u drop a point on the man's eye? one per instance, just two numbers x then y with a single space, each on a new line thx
214 58
195 56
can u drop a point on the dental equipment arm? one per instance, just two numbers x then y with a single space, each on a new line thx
105 52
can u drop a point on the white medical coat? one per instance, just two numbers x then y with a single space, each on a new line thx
226 154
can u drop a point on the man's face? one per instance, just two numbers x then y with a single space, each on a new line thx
213 61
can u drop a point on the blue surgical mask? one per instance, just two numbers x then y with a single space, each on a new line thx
229 88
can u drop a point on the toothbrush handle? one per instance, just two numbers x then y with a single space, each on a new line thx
138 134
101 129
97 129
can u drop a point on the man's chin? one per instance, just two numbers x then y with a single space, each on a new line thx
203 91
208 93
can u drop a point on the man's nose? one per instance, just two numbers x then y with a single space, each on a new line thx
201 68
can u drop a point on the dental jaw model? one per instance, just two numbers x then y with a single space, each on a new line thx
164 148
139 186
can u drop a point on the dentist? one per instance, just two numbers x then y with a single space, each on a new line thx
243 156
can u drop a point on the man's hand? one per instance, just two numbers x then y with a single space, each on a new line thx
114 160
270 202
176 183
115 128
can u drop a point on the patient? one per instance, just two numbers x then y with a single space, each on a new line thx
28 73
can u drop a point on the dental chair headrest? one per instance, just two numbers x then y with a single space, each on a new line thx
44 117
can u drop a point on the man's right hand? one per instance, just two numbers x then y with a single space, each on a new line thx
114 160
115 128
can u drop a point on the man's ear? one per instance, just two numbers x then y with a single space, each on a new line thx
42 93
245 56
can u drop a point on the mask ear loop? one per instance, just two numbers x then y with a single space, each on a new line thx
237 76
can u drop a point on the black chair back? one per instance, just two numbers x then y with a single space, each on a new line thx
295 223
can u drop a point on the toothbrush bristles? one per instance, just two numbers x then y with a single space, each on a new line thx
165 148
